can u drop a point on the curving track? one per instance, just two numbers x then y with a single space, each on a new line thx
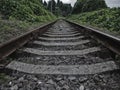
63 58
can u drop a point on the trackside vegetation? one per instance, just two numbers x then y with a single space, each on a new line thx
25 10
19 16
108 19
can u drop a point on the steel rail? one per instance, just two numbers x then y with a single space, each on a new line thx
9 47
109 41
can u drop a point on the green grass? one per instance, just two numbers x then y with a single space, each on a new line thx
3 78
11 29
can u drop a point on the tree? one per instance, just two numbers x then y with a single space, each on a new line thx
41 1
64 8
51 5
58 2
45 4
59 8
88 5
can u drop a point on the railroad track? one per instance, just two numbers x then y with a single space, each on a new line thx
62 56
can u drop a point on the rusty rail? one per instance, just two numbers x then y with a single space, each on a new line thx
9 47
111 42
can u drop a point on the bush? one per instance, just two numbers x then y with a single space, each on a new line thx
105 18
25 10
88 5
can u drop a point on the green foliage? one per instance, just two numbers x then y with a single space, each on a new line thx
25 10
7 7
3 78
88 5
20 16
105 18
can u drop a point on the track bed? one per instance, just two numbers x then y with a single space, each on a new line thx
62 58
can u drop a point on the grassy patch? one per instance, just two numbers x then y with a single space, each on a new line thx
107 19
11 29
3 78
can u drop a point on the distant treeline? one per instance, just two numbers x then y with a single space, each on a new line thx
58 8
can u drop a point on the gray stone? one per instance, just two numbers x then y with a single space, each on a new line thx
65 87
87 89
81 87
43 88
35 79
10 83
97 79
21 79
15 87
71 78
101 76
39 82
51 82
38 58
62 82
83 79
58 88
49 87
58 78
20 85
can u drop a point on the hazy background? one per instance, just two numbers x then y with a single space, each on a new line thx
110 3
113 3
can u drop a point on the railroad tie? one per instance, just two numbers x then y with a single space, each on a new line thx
63 69
67 52
67 35
61 43
61 33
72 38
